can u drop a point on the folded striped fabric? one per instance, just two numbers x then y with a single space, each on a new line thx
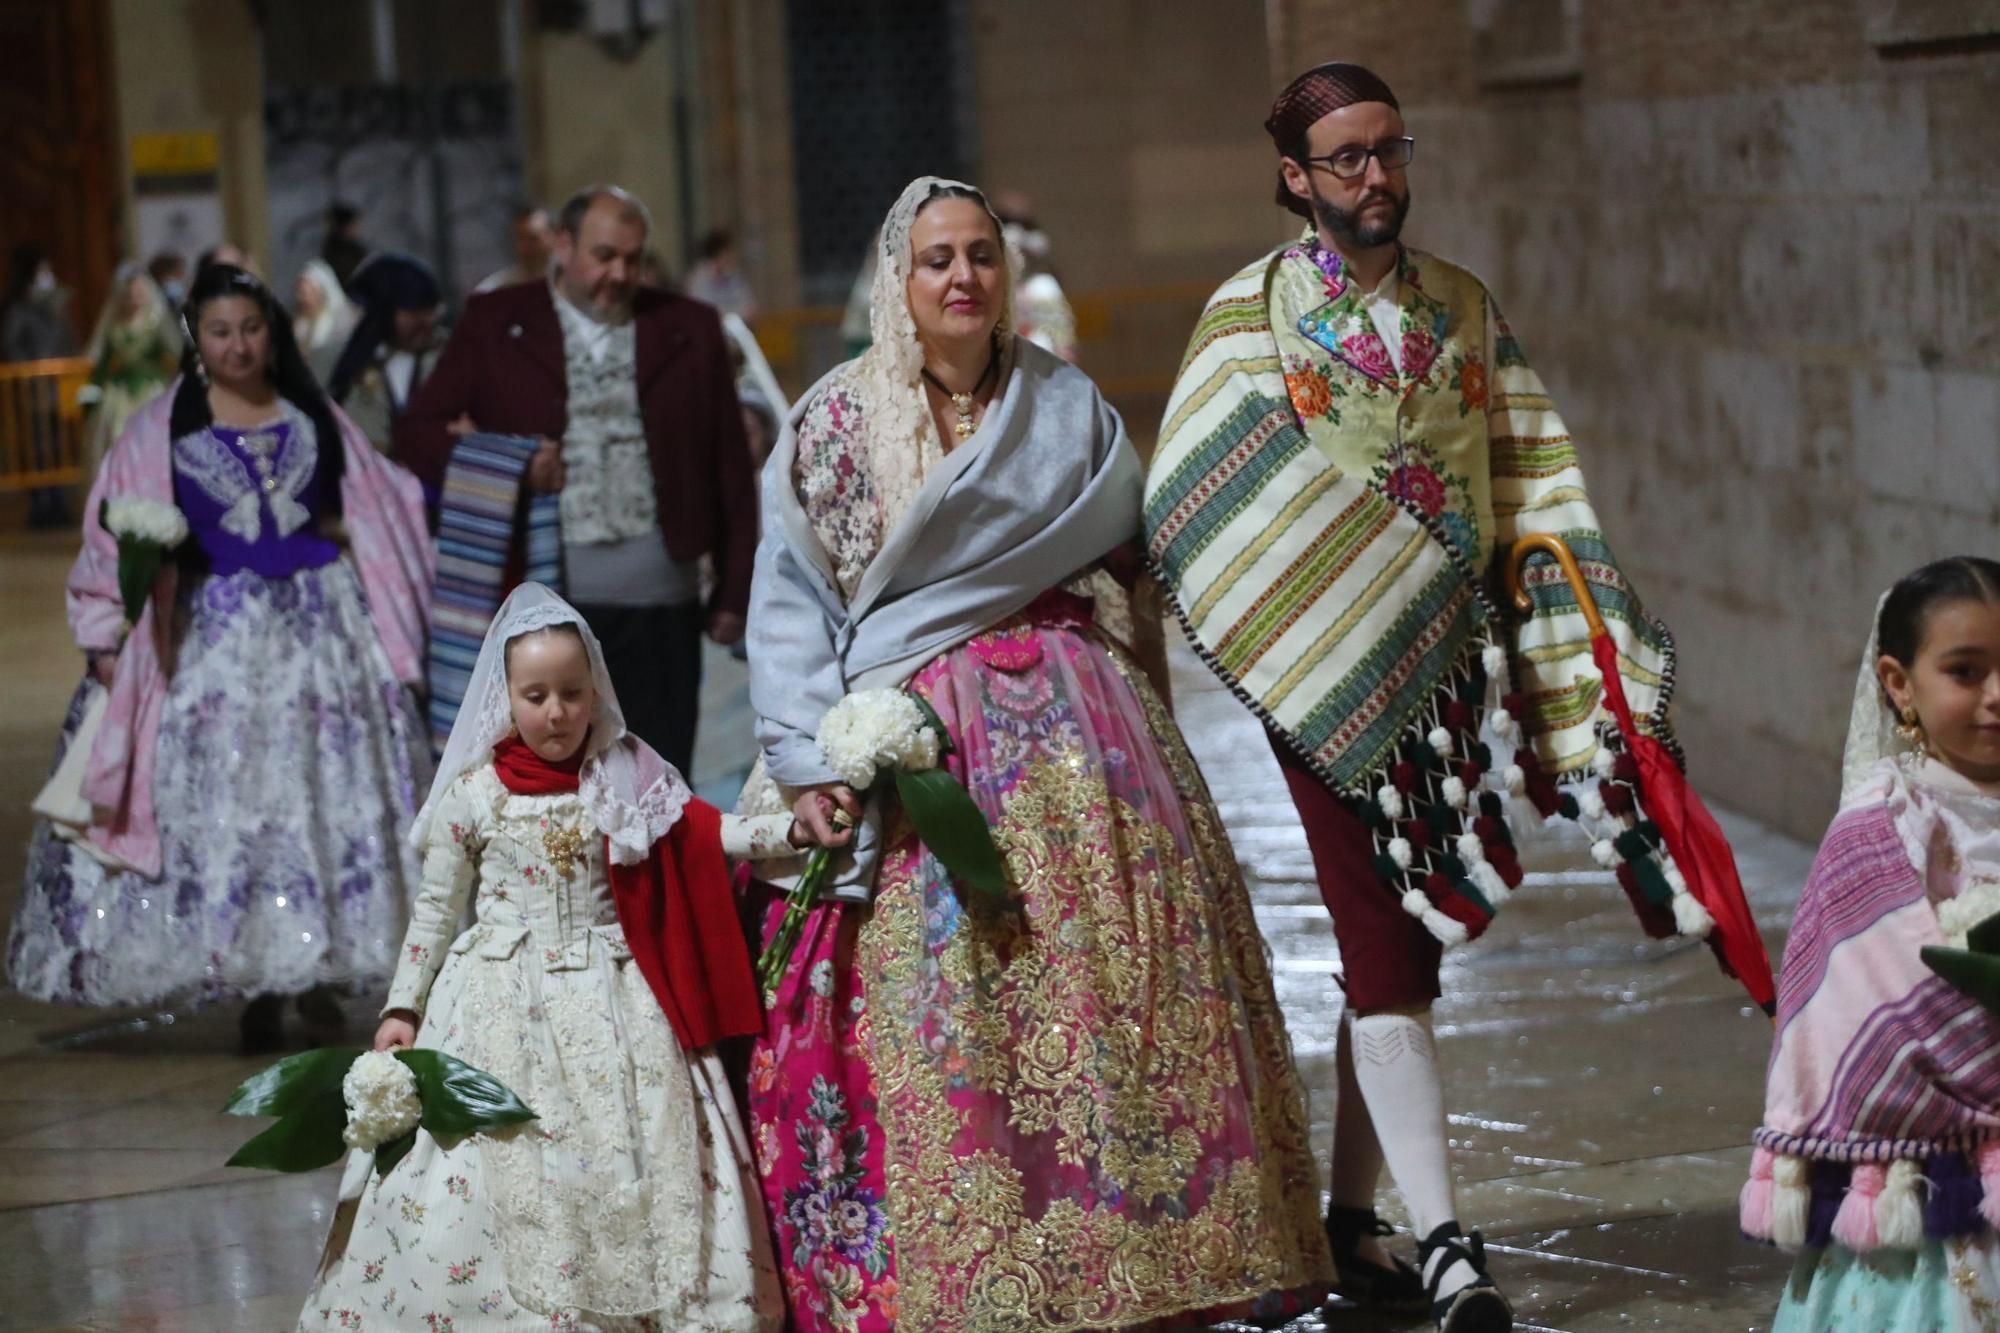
482 493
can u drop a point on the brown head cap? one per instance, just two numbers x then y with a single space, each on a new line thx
1320 90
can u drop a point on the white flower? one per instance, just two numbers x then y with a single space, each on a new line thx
1440 740
136 518
1399 852
1494 659
874 729
381 1096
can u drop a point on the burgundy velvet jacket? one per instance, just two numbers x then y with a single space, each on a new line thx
504 368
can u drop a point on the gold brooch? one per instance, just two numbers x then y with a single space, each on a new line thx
564 848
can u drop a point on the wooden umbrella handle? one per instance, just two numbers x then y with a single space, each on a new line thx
1557 547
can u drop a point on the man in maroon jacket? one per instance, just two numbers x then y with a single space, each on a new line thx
630 392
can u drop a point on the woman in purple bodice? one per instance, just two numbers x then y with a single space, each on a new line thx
254 748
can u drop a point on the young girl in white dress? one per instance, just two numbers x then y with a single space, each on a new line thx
604 962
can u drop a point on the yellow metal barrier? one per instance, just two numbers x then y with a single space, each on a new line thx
41 423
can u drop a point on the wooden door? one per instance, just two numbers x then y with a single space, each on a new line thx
59 185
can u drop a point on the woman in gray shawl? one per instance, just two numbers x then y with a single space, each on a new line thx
1083 1113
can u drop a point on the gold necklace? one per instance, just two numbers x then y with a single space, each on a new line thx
964 403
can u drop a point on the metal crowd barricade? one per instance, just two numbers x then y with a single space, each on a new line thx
41 423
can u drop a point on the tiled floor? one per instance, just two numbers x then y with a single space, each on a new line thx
1603 1087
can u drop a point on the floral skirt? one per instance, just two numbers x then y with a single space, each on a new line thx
1091 1124
1948 1286
289 767
626 1206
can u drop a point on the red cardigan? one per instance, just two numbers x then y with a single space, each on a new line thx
503 367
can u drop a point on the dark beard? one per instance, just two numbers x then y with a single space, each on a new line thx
1347 227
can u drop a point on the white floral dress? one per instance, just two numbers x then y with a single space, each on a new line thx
629 1203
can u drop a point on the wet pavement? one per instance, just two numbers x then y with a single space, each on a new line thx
1602 1087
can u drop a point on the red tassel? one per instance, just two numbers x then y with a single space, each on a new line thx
1506 864
1469 773
1617 799
1465 913
1657 922
1626 769
1403 776
1517 704
1418 831
1458 716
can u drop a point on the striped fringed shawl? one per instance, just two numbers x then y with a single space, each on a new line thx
1882 1104
1347 619
1335 608
482 495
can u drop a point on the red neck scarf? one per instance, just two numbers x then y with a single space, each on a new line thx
677 908
526 773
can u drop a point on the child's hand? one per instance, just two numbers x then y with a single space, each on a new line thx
799 835
398 1031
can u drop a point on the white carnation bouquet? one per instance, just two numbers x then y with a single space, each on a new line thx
145 530
871 733
337 1098
382 1101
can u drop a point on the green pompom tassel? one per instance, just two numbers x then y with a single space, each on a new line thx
1465 889
1653 884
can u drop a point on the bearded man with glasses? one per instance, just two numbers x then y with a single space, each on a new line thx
1353 439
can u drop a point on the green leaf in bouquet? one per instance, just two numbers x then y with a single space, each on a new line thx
304 1140
392 1152
936 723
1976 974
460 1100
952 826
1985 937
294 1082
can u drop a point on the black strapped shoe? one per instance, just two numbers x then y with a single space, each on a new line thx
1363 1281
1476 1308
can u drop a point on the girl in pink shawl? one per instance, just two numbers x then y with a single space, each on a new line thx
1879 1155
235 827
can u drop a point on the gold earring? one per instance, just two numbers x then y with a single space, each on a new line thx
1911 733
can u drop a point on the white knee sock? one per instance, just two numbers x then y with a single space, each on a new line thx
1396 1064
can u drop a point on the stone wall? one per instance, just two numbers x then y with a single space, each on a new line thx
1755 252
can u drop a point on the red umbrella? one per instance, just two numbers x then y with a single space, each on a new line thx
1688 831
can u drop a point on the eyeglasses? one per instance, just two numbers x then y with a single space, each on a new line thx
1350 163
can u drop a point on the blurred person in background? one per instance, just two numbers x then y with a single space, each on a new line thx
239 767
134 352
395 344
718 279
169 270
1042 314
35 325
534 243
322 317
343 248
630 393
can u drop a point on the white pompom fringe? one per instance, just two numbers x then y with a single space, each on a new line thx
1399 852
1450 933
1470 849
1516 779
1440 740
1604 761
1494 659
1489 882
1605 853
1415 903
1591 803
1453 792
1790 1201
1899 1209
1390 800
1690 917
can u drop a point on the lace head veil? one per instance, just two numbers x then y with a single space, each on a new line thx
633 795
1871 725
903 443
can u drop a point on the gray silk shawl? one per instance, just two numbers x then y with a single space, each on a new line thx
1048 484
